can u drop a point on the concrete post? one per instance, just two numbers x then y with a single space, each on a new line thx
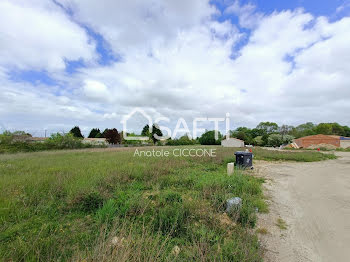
230 168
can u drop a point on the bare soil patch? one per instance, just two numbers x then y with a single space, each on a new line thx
313 201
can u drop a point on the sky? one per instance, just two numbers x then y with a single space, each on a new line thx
90 63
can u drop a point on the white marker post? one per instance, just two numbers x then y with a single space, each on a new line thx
230 168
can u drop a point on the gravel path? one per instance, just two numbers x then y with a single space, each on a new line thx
314 201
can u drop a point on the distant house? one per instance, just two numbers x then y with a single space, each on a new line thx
95 141
314 140
37 139
232 142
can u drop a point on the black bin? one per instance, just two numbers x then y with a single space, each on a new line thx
244 159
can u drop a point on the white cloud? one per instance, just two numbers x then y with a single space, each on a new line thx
96 90
138 25
38 35
177 62
247 15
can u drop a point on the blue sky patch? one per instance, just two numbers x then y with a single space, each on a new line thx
32 76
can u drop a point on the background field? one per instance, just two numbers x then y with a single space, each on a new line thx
101 204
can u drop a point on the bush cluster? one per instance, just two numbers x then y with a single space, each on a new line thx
9 143
182 141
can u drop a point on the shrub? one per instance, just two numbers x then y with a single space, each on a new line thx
182 141
9 143
6 137
66 141
208 138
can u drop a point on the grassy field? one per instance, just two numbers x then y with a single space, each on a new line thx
101 205
339 149
300 156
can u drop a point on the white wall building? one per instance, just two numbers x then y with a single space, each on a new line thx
232 142
344 142
95 141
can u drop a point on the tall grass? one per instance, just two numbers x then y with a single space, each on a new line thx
73 205
305 156
65 205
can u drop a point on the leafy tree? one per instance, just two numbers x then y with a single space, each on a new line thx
257 132
324 128
155 131
265 139
99 135
208 138
112 136
338 129
287 139
243 133
75 131
346 131
330 129
145 131
275 140
95 133
285 130
306 129
104 133
258 141
268 127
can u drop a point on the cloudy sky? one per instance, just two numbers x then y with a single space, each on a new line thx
89 63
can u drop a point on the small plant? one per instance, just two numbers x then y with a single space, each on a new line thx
172 197
248 215
281 224
262 231
107 212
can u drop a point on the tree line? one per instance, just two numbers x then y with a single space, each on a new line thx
269 133
264 134
111 135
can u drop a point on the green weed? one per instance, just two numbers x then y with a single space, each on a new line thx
281 224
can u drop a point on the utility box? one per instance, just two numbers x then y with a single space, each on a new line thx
244 159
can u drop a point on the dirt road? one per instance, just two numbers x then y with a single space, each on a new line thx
314 201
